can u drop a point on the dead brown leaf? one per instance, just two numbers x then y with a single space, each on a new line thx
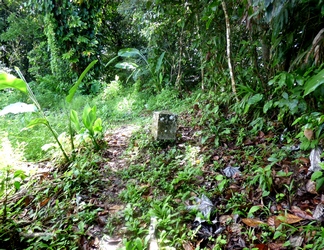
318 213
273 221
311 187
291 218
304 160
44 202
276 246
223 219
261 246
188 246
308 133
300 213
252 222
115 208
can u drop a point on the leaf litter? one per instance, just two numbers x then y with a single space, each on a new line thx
298 206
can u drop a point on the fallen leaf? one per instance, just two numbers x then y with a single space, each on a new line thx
319 212
235 228
115 208
296 241
101 213
223 219
308 133
252 222
248 142
44 202
261 246
300 213
311 187
188 246
276 246
273 221
291 218
304 160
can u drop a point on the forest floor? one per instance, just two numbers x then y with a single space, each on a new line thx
248 192
249 206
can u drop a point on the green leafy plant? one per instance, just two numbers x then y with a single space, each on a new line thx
287 95
92 124
318 177
10 183
9 81
154 70
314 83
263 178
314 123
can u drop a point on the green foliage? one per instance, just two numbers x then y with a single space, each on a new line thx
77 84
72 34
156 74
279 75
318 177
89 117
287 89
9 81
314 82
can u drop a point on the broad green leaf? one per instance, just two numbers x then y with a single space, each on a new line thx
76 85
285 95
282 80
37 121
246 108
273 159
255 99
297 120
75 120
219 177
293 106
319 183
316 175
277 234
272 81
129 52
139 243
267 106
126 65
265 193
89 117
97 126
160 77
159 62
17 185
283 174
314 82
20 173
10 81
85 117
2 187
253 209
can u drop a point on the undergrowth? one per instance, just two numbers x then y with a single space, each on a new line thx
254 182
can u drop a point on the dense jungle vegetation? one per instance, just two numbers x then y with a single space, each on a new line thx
83 171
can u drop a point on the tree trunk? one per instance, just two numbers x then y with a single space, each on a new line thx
228 49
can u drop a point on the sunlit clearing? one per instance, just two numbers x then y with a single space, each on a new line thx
9 157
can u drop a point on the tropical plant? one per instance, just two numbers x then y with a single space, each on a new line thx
155 70
92 124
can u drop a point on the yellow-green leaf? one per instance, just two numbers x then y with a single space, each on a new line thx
10 81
